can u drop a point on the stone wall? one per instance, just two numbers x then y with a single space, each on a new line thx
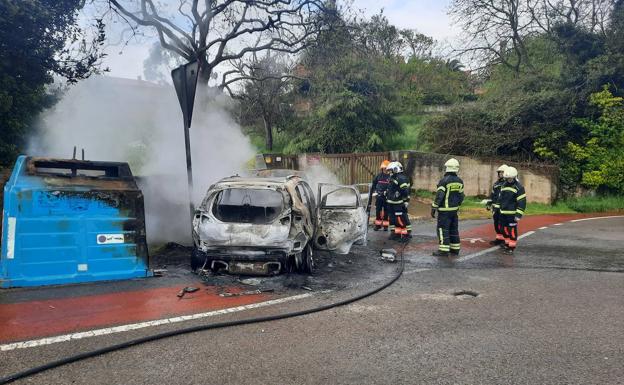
540 181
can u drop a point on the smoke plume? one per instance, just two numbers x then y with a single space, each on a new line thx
141 123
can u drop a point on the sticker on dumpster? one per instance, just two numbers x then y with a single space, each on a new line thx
11 237
105 239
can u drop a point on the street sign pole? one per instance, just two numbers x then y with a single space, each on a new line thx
185 83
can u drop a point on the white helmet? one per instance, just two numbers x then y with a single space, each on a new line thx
452 165
502 168
510 172
395 167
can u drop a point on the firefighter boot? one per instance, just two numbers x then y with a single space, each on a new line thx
394 236
376 228
439 253
497 242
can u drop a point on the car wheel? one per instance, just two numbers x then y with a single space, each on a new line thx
197 259
308 260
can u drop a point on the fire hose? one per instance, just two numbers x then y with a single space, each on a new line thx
210 326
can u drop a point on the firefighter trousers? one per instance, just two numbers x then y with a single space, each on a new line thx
510 230
448 231
498 224
399 219
381 212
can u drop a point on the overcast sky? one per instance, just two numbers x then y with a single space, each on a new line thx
427 16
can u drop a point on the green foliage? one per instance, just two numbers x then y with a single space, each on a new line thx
409 138
599 156
38 38
348 122
358 78
596 204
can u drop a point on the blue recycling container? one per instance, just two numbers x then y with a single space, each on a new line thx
69 221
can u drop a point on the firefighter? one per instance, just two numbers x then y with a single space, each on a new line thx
493 205
449 197
378 190
397 197
512 201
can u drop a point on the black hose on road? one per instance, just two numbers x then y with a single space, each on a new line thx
193 329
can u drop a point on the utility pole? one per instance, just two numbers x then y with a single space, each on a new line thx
185 83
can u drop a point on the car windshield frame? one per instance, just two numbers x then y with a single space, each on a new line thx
247 205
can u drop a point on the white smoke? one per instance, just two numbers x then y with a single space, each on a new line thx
141 123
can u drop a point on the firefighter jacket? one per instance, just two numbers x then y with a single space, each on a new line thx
450 194
512 199
380 185
496 192
398 189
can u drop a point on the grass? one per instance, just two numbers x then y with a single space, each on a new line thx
472 208
409 138
596 204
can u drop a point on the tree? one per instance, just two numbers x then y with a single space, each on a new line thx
266 82
39 39
496 31
219 31
599 157
418 45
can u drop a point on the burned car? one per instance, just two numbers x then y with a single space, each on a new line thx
272 225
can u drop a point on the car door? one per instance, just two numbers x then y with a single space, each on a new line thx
341 218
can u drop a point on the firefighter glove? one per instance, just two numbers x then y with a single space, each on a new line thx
433 213
518 219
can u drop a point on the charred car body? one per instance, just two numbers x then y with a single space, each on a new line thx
273 225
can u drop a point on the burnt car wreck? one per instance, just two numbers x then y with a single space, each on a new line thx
273 225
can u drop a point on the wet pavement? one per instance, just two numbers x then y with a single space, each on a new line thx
552 313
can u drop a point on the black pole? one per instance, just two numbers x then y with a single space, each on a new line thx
185 83
189 168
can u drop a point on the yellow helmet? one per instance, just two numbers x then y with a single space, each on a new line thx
452 165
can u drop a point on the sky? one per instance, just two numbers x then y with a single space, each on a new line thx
427 16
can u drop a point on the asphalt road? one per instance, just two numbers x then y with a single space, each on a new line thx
551 314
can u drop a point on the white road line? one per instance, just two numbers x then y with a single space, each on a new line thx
543 227
480 253
593 218
557 224
141 325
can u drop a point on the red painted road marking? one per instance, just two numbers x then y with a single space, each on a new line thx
34 319
486 232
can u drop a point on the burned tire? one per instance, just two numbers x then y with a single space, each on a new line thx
197 259
307 257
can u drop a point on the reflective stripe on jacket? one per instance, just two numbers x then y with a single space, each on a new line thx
496 192
450 194
512 199
398 189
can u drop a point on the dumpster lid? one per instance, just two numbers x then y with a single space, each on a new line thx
78 168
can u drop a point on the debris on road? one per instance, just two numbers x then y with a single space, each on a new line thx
159 272
388 255
188 289
251 281
306 288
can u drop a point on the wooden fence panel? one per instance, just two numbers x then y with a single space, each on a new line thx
354 168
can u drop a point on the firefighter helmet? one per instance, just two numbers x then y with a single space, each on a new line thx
384 164
510 172
502 168
395 167
452 165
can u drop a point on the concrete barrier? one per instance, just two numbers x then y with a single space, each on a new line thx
540 181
